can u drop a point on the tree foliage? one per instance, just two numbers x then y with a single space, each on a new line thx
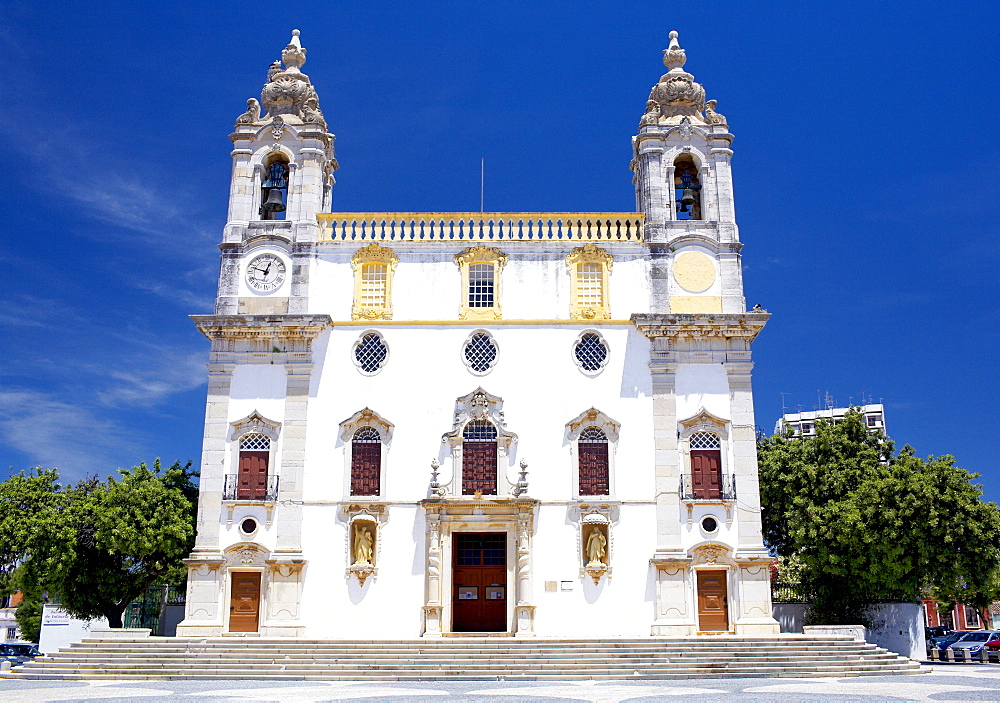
96 545
867 525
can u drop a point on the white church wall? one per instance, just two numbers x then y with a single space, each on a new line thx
619 606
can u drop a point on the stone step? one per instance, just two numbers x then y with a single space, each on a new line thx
473 659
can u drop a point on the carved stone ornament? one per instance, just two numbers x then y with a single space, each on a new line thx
677 94
592 418
374 252
479 253
288 91
277 127
312 114
252 115
589 252
366 417
479 405
713 117
652 115
255 423
711 554
246 555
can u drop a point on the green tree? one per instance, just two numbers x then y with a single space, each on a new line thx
867 525
98 545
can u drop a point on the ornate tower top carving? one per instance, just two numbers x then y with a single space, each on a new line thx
287 92
677 95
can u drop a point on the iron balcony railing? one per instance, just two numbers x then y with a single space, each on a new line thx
726 490
475 226
263 492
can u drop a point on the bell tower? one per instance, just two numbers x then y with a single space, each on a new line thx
283 165
700 334
684 186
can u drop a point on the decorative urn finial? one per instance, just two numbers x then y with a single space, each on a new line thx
676 95
288 90
674 57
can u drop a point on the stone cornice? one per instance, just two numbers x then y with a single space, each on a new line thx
722 325
252 326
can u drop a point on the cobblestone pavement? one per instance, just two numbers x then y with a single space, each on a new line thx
946 682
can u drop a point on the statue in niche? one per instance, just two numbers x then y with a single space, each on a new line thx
362 546
596 548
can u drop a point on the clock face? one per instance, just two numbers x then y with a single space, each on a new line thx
266 273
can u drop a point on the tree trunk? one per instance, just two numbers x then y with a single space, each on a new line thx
114 615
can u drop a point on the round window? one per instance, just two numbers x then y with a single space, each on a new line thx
480 352
710 524
590 352
248 526
370 353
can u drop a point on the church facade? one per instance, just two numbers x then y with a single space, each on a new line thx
435 424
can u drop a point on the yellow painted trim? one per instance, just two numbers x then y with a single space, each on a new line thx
373 254
589 254
478 323
480 254
695 303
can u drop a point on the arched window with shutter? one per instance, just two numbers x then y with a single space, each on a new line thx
366 462
479 458
592 455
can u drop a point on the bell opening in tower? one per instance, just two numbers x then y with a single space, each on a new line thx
687 188
274 191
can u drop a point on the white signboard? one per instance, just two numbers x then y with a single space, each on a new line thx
53 615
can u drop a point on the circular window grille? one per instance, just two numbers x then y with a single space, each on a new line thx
591 352
248 526
479 431
710 524
705 440
480 352
370 352
255 442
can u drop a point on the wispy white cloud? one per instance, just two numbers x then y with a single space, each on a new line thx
149 378
55 433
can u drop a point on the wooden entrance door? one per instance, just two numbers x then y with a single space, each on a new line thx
706 473
244 607
713 603
479 582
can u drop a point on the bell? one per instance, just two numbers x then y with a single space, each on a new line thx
687 199
274 203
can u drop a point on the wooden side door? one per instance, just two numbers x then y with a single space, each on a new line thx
713 602
252 483
706 473
244 607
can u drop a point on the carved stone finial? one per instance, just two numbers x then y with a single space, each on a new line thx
677 94
674 57
252 114
293 54
713 117
521 488
287 91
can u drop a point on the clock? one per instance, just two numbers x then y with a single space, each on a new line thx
266 273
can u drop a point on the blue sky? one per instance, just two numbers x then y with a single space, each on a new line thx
865 172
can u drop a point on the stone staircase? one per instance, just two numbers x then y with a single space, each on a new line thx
466 658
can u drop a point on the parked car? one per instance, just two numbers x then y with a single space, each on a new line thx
971 644
18 653
941 642
936 631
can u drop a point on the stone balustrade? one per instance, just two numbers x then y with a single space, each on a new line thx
475 226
